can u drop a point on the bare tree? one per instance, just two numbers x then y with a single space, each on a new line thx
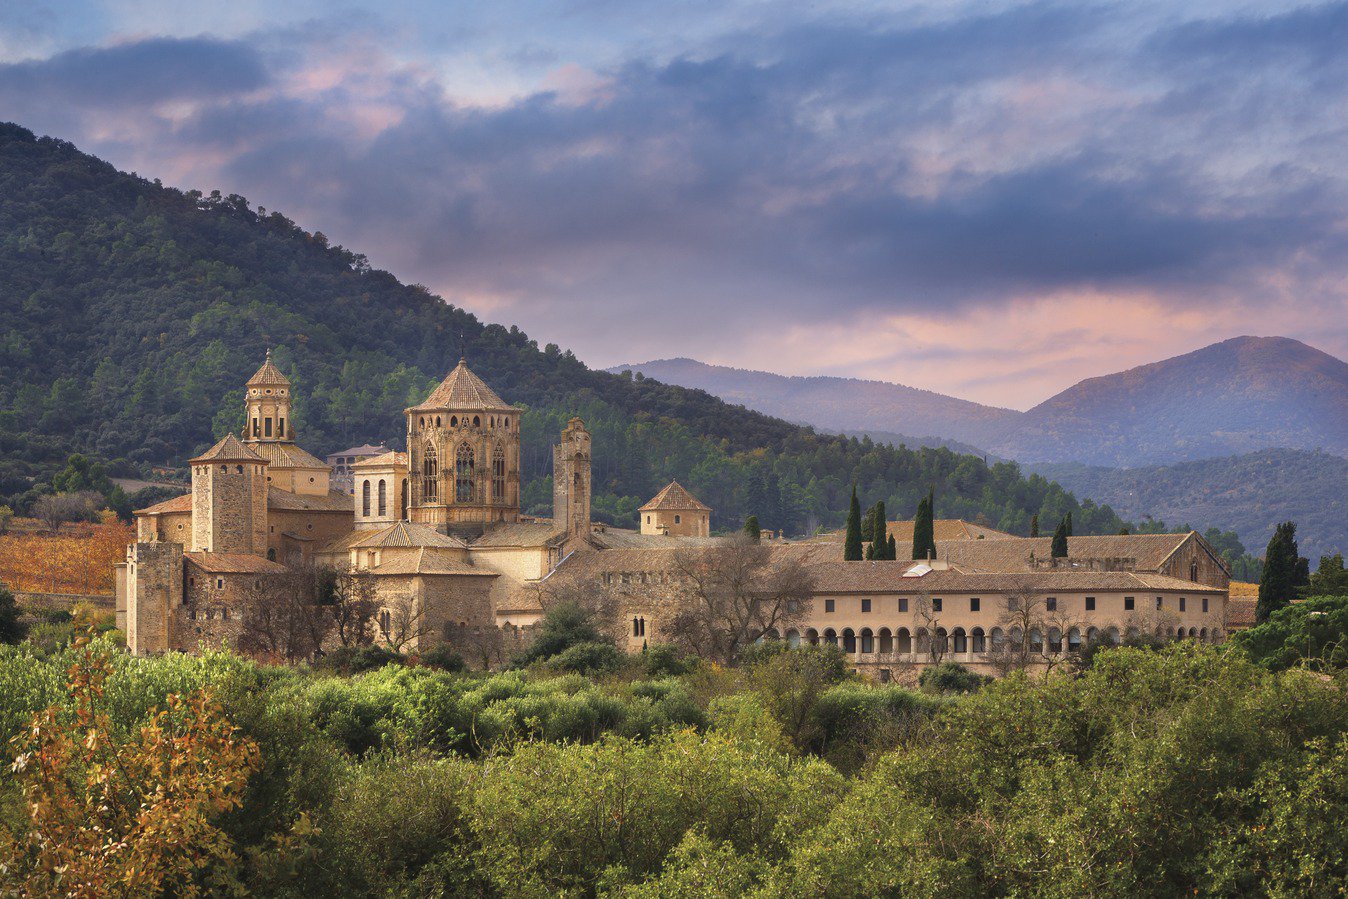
402 621
56 509
282 618
927 611
1025 615
483 645
354 604
730 595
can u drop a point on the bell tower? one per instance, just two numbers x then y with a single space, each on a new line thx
268 406
571 480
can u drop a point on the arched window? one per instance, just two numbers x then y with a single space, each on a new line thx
1193 571
849 641
463 474
960 641
383 497
365 500
477 421
867 641
498 490
978 641
430 476
271 555
454 421
904 642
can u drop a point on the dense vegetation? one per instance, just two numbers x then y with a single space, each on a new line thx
1145 773
133 314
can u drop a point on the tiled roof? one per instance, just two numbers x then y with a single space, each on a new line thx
268 375
1013 554
461 389
520 534
385 459
428 561
946 529
283 454
285 501
887 577
229 449
674 498
406 533
368 449
622 538
177 504
233 563
1240 612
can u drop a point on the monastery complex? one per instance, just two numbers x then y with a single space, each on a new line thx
439 533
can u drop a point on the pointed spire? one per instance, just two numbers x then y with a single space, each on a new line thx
269 375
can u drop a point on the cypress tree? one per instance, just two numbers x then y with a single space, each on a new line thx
924 540
1060 538
1068 521
893 550
1034 525
852 545
879 531
752 530
1280 571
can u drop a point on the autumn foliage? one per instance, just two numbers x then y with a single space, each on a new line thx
77 562
123 815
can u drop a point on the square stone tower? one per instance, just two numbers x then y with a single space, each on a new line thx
571 480
229 500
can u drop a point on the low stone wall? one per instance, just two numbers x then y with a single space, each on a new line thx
50 602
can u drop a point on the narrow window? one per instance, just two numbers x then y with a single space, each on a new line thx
365 499
257 431
219 583
498 472
678 519
903 605
266 427
383 498
463 474
975 604
430 476
865 605
1160 601
1181 603
1129 603
385 622
281 428
1205 604
829 605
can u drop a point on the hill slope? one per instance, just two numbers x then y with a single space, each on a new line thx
133 313
1234 397
838 404
1249 494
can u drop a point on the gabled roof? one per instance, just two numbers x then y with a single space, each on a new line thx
229 449
284 454
233 563
946 529
1148 551
406 533
181 503
268 375
285 501
675 498
521 534
429 561
368 449
381 461
461 389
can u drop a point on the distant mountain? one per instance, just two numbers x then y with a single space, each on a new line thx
839 404
1234 397
1249 494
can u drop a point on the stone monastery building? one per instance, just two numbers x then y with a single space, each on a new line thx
438 529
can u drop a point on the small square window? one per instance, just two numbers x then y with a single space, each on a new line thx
1160 601
903 605
829 605
936 603
1129 603
1090 603
1051 604
865 605
974 604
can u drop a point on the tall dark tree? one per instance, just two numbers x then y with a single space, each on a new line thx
1067 521
12 628
892 550
1060 538
852 545
752 530
1279 579
924 530
1034 525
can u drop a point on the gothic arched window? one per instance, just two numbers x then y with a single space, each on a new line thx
365 500
383 497
498 490
463 474
430 480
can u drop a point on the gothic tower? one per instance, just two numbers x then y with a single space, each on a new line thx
229 500
463 456
571 480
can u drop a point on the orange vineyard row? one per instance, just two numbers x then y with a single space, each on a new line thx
67 563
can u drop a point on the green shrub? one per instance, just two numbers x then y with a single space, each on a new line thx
443 657
358 659
1313 632
588 658
951 677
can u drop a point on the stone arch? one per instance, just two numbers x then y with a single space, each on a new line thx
830 636
812 637
365 499
886 643
464 465
383 498
793 638
959 643
978 641
849 638
867 640
903 641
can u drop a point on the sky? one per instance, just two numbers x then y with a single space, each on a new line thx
991 200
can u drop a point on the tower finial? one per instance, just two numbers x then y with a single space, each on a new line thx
268 354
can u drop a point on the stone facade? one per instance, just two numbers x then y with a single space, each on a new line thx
674 512
571 479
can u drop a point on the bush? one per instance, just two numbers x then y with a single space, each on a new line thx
588 658
951 677
565 625
665 660
1313 632
359 659
443 657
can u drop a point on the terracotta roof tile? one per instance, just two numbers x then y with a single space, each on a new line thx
285 501
283 454
1240 612
520 534
428 561
268 375
1013 554
391 458
229 449
946 529
461 389
674 497
406 533
176 504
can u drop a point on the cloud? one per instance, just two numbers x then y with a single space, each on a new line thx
778 175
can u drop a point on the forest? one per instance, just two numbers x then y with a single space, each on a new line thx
134 313
1152 770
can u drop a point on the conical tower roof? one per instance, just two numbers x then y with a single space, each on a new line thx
461 389
229 449
268 375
